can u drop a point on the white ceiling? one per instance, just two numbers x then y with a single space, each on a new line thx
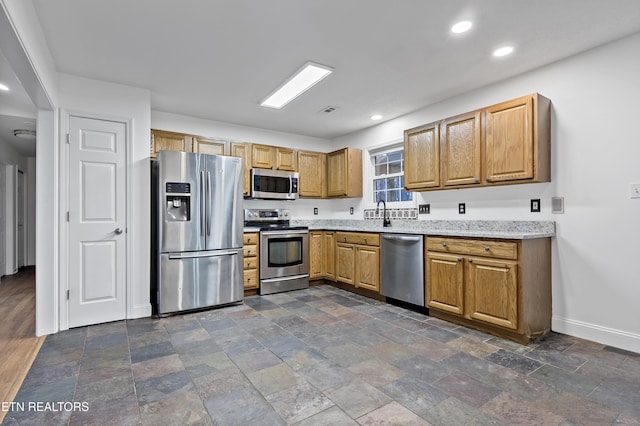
217 59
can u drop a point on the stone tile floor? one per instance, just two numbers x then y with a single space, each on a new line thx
321 356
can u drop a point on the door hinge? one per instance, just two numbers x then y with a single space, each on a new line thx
67 294
68 216
68 138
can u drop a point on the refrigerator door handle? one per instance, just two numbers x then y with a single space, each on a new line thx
208 206
193 255
203 205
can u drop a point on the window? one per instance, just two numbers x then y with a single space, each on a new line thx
388 176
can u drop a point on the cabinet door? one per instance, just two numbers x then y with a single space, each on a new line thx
344 173
492 294
445 282
345 263
460 140
243 150
169 141
262 156
329 261
509 140
286 159
315 254
313 167
337 174
422 157
209 146
368 268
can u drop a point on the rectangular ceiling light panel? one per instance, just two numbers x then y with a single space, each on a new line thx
300 82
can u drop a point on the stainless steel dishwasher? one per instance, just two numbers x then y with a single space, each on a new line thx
402 268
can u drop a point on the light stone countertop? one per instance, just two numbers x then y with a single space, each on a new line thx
502 229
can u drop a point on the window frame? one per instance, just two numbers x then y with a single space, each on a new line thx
370 175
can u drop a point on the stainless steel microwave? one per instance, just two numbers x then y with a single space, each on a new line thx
274 184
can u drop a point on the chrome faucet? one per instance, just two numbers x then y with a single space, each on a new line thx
385 220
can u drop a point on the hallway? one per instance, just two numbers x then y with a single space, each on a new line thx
18 344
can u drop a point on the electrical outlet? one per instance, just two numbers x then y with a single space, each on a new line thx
535 205
315 210
424 208
634 190
350 210
462 208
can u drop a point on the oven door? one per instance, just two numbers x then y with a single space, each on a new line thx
284 253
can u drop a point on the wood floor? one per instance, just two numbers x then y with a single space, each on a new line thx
18 342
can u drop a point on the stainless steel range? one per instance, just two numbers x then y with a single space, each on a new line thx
284 250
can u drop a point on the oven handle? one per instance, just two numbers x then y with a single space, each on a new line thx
285 232
291 278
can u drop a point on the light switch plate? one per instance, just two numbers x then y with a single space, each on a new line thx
557 205
634 190
535 205
424 208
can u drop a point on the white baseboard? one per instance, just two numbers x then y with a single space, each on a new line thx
596 333
140 311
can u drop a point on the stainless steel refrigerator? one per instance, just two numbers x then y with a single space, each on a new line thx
198 221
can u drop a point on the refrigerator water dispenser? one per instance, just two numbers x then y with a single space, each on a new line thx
177 208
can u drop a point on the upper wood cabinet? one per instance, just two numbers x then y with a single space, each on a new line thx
422 157
169 141
517 141
286 159
313 174
210 146
273 157
262 156
502 144
460 138
243 150
344 173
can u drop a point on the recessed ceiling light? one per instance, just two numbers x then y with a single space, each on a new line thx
503 51
376 117
461 27
3 87
301 81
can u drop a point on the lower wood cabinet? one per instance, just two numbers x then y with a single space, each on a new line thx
322 255
358 259
502 287
250 249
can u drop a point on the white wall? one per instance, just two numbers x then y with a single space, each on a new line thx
595 155
112 101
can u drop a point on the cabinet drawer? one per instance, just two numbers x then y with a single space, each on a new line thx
251 279
250 250
501 249
358 238
250 238
250 263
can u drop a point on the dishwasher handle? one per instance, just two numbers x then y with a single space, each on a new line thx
401 238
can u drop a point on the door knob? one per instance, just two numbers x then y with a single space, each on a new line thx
117 231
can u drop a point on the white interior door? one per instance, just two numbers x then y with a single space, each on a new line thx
97 221
3 220
21 237
10 211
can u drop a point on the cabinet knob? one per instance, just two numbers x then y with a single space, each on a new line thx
487 248
444 244
470 260
365 241
459 259
344 239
